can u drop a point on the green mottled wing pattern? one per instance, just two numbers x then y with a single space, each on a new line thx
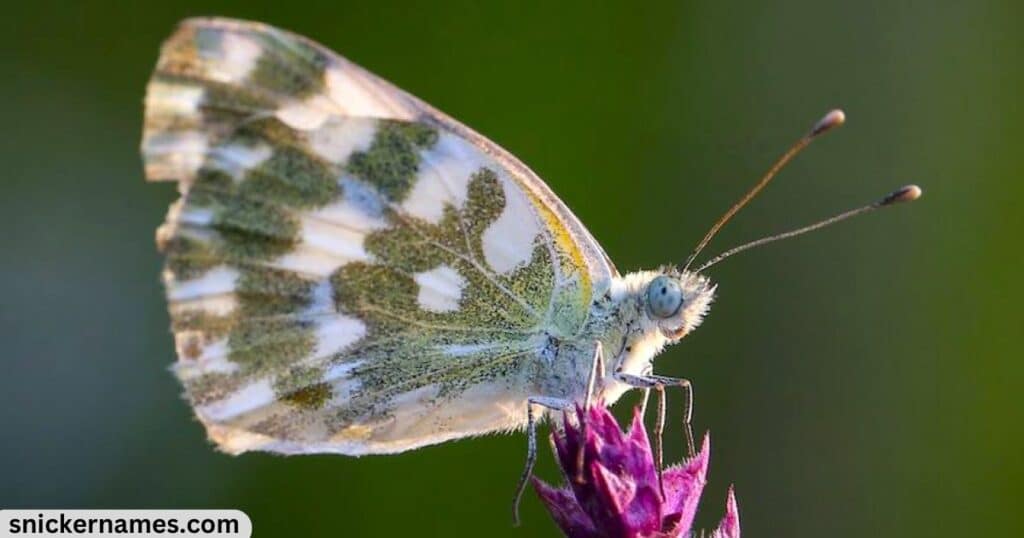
349 270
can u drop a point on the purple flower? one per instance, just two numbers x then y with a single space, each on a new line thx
619 496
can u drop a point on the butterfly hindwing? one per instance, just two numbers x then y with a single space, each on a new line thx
348 270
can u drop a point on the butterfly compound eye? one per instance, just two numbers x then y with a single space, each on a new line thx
664 297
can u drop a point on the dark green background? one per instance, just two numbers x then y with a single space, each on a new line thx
863 381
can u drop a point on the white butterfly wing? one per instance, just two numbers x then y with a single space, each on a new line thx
348 269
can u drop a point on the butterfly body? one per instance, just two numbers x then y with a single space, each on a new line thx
351 271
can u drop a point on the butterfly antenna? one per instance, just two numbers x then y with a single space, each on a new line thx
834 118
905 194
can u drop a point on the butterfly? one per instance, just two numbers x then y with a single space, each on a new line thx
351 271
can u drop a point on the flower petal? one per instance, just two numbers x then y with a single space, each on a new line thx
730 525
622 507
683 487
564 444
604 423
636 455
637 431
567 513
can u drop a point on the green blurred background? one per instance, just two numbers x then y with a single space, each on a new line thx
862 381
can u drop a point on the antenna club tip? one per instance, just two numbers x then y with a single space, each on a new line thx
834 118
904 194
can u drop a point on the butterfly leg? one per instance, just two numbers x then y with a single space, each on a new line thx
554 404
643 402
647 393
659 383
596 376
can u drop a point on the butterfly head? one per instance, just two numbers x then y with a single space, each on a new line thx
677 301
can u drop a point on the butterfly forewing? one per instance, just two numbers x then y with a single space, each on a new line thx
348 270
